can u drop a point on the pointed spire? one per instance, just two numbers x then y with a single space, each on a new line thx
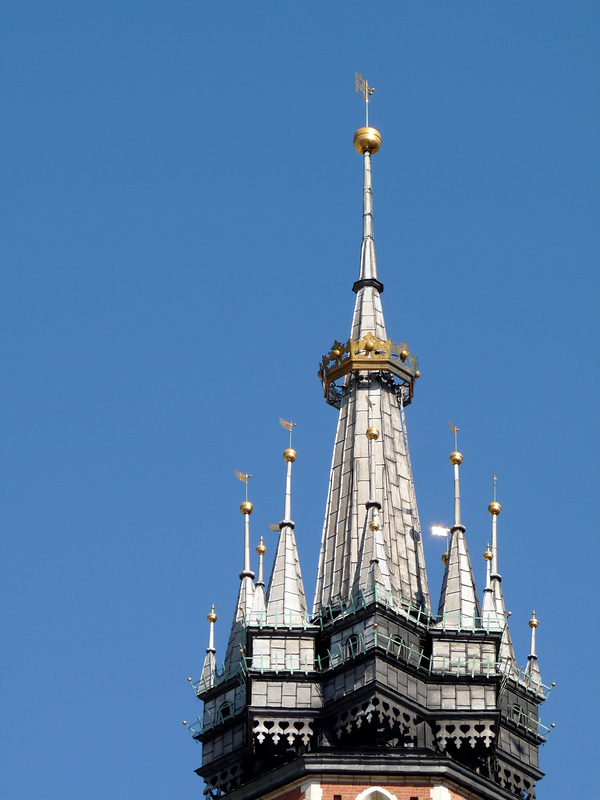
533 677
508 662
246 593
210 661
286 601
488 610
259 605
368 313
459 605
370 483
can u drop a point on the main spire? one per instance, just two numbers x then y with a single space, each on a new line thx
371 535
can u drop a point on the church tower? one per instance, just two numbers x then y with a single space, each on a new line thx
371 694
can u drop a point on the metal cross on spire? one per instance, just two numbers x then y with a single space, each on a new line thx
365 91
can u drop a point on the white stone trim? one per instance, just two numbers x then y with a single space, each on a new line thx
312 790
440 793
376 793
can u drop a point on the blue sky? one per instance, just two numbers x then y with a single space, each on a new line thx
181 228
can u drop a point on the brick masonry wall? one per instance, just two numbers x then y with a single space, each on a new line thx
349 790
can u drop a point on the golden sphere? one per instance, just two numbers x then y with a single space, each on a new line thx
372 433
456 457
289 454
374 525
488 555
246 507
418 373
444 558
261 549
404 354
533 622
494 508
336 353
184 722
369 346
367 139
212 617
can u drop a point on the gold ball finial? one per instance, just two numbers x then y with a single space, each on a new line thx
418 373
184 722
261 549
246 507
444 558
372 433
533 622
488 555
404 354
494 508
289 454
212 617
367 139
374 525
456 458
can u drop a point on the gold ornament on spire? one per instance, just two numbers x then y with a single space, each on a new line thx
212 617
366 139
533 622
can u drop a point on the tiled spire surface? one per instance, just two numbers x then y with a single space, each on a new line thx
459 605
369 399
245 601
286 601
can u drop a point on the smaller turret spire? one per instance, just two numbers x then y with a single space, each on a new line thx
259 606
459 605
532 670
508 662
286 601
210 661
246 594
488 610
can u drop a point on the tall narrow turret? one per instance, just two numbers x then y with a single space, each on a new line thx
286 601
459 605
371 512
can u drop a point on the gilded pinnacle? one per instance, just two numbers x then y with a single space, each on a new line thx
494 508
456 458
246 507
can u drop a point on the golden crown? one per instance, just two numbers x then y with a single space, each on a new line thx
367 354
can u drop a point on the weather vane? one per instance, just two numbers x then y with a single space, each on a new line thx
243 477
288 426
365 91
455 431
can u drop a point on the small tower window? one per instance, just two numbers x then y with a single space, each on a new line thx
225 711
396 645
352 646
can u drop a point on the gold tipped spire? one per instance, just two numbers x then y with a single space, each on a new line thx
261 549
246 507
494 508
289 454
212 617
488 555
456 458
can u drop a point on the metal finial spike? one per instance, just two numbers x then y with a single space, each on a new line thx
495 479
